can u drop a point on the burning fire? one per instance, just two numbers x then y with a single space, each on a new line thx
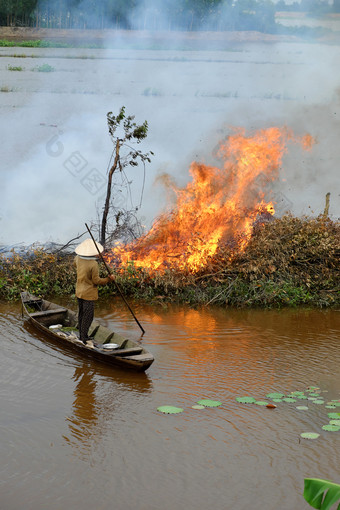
217 208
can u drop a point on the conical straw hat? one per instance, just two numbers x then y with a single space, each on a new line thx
88 249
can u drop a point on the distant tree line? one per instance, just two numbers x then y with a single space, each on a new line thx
153 14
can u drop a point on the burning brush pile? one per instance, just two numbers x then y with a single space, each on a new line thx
221 241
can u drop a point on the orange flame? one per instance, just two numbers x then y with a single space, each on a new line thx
217 208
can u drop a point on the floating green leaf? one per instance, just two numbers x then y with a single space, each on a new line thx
289 399
169 409
310 435
331 428
318 401
334 422
333 416
297 393
277 399
321 494
314 394
246 400
198 407
330 407
302 408
209 403
302 397
336 403
261 403
275 395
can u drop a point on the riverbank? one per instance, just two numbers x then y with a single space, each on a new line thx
288 262
145 39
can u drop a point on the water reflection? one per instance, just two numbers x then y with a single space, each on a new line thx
123 450
85 412
98 395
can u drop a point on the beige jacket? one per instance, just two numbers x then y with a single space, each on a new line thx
88 279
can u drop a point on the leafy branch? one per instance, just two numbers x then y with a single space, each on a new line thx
123 129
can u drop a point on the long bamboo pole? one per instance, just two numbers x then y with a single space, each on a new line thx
117 286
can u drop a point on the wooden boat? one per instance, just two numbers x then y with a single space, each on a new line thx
61 323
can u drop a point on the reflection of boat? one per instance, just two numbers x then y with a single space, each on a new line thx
61 324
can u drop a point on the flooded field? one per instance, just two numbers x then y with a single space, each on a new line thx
76 433
53 106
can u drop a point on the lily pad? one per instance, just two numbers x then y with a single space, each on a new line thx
209 403
302 408
331 428
334 416
246 400
198 407
314 395
261 403
302 397
318 401
336 403
277 399
334 422
289 399
330 407
310 435
275 395
169 409
297 393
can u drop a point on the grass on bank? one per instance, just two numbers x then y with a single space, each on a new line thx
288 262
15 68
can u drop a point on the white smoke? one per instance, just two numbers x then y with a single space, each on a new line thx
55 138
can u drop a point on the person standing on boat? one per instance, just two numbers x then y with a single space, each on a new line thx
88 280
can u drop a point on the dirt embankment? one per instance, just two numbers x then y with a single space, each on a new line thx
199 40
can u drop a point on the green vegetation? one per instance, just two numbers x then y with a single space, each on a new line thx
321 494
44 68
15 68
4 43
288 262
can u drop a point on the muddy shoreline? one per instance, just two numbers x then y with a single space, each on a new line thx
108 37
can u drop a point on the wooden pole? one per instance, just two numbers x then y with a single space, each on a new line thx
326 210
117 286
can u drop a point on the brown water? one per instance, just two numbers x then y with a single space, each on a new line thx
79 434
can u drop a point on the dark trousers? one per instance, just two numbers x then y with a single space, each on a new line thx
85 318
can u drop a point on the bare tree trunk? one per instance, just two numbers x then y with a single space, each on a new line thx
108 195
